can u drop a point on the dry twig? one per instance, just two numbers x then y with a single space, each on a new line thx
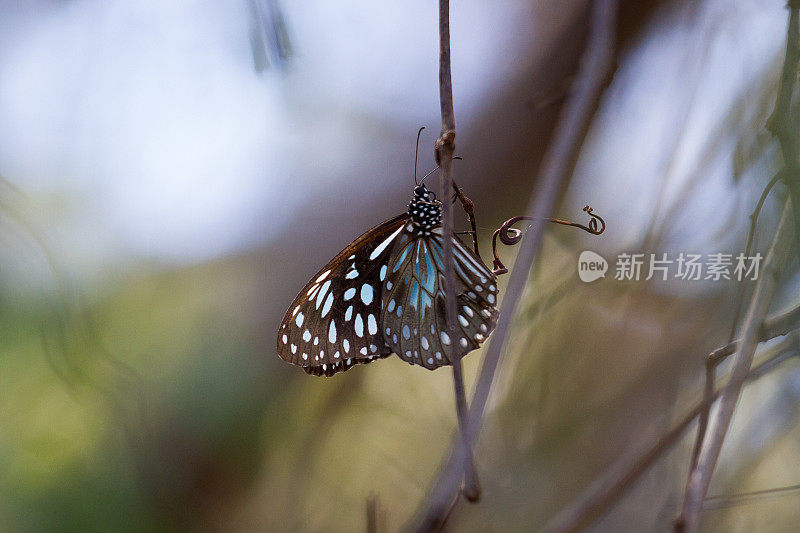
700 478
782 124
445 147
559 161
604 493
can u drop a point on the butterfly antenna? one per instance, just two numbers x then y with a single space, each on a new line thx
429 173
416 155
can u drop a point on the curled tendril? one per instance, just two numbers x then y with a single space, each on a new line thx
511 236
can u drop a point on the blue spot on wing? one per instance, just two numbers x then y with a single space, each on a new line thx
430 275
438 255
400 259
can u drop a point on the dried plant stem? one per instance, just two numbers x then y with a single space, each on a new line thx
700 478
711 363
595 67
598 498
445 147
783 122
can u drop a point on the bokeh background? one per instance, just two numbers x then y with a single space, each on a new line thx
172 172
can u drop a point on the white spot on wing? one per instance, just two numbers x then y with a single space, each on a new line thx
359 325
382 246
372 325
366 293
328 303
383 272
322 291
306 335
332 332
349 293
445 338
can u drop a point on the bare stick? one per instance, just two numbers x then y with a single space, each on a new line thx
557 167
774 326
781 124
711 363
372 513
604 493
784 119
749 247
697 487
445 147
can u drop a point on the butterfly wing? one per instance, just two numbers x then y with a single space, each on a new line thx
334 322
413 319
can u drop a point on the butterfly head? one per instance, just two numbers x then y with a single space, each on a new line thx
425 210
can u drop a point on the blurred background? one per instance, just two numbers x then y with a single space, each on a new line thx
171 173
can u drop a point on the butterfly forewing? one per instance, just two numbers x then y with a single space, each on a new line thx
413 319
335 320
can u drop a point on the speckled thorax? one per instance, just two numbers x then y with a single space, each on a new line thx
425 211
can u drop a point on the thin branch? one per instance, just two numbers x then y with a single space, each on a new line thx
606 492
700 479
784 119
774 326
372 513
559 162
749 247
724 502
445 147
782 125
711 363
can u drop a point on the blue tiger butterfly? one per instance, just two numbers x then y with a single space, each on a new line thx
384 294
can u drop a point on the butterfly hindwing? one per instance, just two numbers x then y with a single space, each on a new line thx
335 320
413 318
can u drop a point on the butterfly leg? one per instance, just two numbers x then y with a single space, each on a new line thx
469 209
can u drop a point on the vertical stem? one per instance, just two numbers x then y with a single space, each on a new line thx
595 67
700 478
445 147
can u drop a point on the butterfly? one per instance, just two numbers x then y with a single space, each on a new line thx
384 294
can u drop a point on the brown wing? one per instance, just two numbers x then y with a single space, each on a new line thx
334 322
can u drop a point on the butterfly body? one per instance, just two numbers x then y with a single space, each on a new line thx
384 294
